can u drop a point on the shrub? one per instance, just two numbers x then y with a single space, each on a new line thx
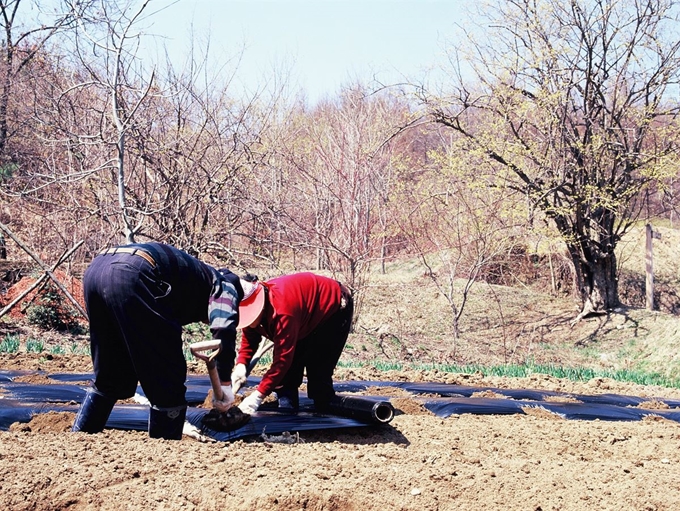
51 313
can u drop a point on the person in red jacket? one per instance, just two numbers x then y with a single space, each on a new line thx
308 318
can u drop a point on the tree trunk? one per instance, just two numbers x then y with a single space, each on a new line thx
8 47
597 282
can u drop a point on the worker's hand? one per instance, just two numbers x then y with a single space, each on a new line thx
251 403
238 377
193 432
227 399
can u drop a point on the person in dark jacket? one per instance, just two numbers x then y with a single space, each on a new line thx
308 319
138 297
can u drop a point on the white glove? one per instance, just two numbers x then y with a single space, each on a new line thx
193 432
227 399
251 403
238 377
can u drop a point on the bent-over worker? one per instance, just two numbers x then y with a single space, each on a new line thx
138 297
308 319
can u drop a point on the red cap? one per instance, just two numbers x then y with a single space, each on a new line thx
252 303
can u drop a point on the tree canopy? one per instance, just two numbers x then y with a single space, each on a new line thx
579 100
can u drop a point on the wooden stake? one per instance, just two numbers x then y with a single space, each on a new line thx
649 265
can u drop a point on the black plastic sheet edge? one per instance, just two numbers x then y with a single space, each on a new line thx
135 418
198 385
20 401
445 407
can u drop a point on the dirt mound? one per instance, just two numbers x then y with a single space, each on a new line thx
47 294
49 422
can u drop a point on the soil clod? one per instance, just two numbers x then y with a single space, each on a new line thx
230 420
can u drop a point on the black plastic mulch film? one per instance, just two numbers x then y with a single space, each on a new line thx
19 402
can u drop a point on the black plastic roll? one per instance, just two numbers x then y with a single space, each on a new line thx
362 408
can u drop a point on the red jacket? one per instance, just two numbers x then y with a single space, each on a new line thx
296 305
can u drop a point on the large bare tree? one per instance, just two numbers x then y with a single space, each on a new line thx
173 147
579 100
106 41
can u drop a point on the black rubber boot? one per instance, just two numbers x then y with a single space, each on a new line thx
167 423
94 412
289 400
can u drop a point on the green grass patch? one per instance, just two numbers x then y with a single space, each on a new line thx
265 360
57 350
34 346
76 348
188 355
579 374
9 344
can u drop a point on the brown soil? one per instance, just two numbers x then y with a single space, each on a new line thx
40 295
419 462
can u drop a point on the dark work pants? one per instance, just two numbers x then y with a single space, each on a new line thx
319 353
133 336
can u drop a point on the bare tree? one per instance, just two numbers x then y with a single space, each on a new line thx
459 217
106 42
24 35
189 149
578 100
338 172
199 152
26 31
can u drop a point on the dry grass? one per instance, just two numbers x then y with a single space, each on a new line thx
404 318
